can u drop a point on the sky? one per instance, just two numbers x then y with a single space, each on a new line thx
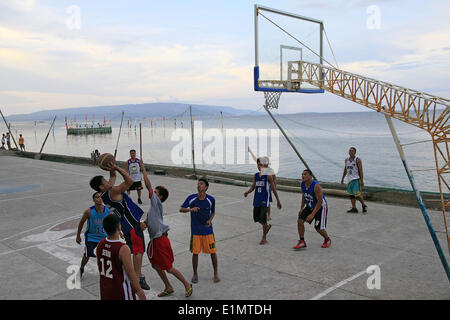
62 54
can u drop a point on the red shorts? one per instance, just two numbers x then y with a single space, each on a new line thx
135 240
160 254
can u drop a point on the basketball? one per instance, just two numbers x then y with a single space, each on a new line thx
104 160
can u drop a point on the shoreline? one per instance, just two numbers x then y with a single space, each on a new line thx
377 194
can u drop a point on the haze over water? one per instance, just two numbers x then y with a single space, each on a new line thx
323 140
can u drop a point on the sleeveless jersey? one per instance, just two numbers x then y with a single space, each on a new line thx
134 169
94 230
114 282
262 191
352 169
310 195
130 213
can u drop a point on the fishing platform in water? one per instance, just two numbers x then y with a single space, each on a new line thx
89 130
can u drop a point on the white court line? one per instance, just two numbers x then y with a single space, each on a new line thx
28 176
340 284
44 225
65 171
35 245
42 195
49 242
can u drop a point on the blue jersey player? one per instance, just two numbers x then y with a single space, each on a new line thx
262 185
314 207
94 230
130 213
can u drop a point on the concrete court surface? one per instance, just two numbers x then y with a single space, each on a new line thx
41 203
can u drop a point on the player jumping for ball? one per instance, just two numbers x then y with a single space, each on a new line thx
130 213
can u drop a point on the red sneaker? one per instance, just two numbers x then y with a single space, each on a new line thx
300 244
326 243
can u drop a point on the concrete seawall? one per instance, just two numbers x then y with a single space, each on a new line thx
378 194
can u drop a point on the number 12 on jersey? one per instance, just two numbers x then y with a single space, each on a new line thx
108 273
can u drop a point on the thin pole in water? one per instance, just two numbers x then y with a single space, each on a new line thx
9 129
51 126
192 137
140 138
120 129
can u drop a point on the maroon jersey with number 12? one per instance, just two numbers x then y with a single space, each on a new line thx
114 282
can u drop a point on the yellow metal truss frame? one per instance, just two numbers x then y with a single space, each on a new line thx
425 111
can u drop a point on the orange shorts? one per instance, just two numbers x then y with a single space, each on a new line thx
206 244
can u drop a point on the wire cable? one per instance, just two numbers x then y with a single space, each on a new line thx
298 40
329 44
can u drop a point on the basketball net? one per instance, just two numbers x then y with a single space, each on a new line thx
272 99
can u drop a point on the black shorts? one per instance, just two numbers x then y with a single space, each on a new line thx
260 214
90 249
137 185
320 219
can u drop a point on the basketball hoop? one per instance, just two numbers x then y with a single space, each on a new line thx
272 98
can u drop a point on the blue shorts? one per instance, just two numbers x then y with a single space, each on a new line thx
353 188
90 249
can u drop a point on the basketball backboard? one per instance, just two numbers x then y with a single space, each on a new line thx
282 41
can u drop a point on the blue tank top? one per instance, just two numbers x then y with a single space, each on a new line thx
310 195
262 191
94 230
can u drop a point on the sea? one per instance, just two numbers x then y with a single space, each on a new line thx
322 140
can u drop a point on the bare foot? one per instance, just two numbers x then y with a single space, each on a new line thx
216 279
264 241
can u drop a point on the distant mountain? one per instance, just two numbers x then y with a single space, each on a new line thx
132 111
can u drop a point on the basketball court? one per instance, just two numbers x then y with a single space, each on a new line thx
42 202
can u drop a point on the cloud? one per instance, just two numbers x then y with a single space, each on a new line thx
44 64
19 5
103 73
